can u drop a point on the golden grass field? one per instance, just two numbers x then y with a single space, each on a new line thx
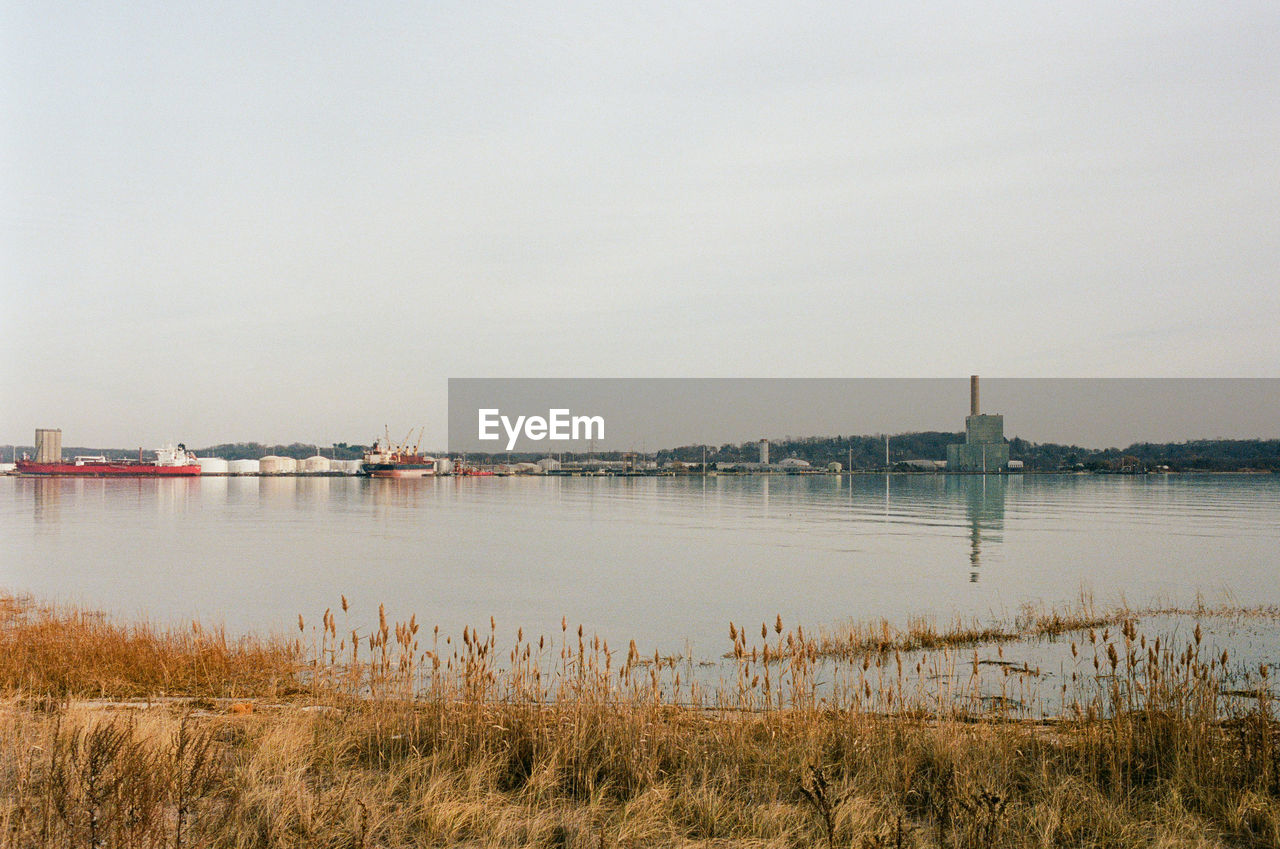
117 734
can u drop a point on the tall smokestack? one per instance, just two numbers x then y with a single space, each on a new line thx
973 395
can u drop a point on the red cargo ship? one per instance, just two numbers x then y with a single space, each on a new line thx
170 462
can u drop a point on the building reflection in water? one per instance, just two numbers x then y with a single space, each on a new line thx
281 488
46 500
983 497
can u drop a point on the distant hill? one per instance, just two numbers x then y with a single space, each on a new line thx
1207 455
868 453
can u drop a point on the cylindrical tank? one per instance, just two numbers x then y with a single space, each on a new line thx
549 464
49 445
244 467
318 463
213 465
444 466
346 467
273 465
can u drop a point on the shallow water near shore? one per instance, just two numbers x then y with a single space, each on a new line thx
665 561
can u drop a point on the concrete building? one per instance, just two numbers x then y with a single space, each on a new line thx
984 449
920 465
49 445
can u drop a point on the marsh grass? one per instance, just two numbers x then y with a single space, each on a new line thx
402 737
61 653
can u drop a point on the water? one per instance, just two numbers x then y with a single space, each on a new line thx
666 561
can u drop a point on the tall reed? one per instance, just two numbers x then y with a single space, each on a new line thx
393 736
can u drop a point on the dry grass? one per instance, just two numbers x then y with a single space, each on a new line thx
63 653
410 739
924 634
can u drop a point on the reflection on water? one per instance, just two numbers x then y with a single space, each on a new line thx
165 496
46 496
983 497
661 560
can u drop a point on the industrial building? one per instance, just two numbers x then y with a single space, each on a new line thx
984 449
49 445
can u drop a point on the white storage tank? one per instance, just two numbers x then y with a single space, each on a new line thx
316 464
346 467
444 466
243 467
213 465
549 464
273 465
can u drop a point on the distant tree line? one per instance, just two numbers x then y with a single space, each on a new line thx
868 453
297 450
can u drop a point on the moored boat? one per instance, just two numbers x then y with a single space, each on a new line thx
169 462
386 460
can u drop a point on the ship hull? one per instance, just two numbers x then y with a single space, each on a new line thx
105 470
398 470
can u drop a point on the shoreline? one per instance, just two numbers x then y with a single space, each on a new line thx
410 737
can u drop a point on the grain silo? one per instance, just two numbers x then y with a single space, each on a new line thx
244 467
213 465
317 464
49 445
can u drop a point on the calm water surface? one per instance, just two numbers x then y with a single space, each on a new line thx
667 561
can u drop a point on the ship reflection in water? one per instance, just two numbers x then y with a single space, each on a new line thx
164 496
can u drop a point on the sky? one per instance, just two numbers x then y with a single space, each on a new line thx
234 222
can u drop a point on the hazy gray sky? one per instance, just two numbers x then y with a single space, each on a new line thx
296 220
